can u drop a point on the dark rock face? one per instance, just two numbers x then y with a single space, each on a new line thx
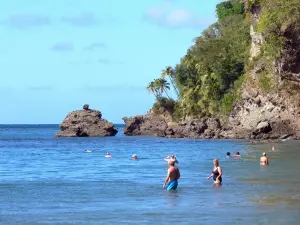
150 125
86 107
206 128
86 123
147 125
263 127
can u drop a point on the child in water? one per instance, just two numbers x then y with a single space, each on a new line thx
228 155
108 155
237 155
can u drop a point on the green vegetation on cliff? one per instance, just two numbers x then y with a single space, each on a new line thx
209 77
279 24
278 19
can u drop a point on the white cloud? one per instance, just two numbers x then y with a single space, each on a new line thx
167 16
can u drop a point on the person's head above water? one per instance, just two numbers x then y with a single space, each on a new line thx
238 153
108 155
216 162
228 153
134 156
264 154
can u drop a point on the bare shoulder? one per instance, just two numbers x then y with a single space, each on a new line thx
173 169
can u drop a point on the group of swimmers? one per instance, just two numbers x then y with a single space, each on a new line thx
108 155
171 181
263 159
236 156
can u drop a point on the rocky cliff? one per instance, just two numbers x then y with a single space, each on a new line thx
269 103
273 112
86 123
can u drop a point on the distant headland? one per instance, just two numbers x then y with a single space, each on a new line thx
239 80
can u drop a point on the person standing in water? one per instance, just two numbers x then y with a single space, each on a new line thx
264 160
171 181
216 173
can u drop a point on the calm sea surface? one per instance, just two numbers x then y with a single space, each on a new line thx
46 180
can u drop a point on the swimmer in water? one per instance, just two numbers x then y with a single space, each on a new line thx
228 155
134 157
171 181
216 173
237 155
89 150
264 160
108 155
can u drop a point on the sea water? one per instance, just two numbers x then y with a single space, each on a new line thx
48 180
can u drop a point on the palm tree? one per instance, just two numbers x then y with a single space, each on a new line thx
162 85
170 72
155 88
152 87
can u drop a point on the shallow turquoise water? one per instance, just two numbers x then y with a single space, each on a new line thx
45 180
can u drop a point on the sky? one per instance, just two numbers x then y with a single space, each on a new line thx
57 55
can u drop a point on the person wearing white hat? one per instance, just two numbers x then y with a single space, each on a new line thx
171 157
134 157
171 181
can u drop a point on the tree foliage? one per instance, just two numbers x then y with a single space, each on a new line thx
206 75
279 18
212 65
229 8
165 104
159 87
170 72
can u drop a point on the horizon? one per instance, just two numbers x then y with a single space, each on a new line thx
59 55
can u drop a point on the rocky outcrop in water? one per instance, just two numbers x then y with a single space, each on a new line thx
210 128
147 125
86 123
150 125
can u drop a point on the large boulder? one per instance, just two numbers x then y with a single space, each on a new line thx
151 125
86 123
86 107
213 123
263 127
147 125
